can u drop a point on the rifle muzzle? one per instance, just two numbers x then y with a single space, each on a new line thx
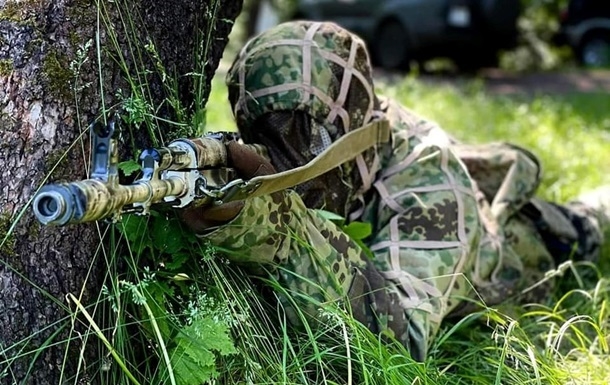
55 205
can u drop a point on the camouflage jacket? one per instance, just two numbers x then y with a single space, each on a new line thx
436 240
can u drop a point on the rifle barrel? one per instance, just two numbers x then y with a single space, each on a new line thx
91 199
169 174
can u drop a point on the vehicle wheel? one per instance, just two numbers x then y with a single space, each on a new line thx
391 47
472 62
594 51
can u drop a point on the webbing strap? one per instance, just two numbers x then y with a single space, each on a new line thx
343 150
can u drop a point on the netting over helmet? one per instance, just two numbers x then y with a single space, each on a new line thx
298 87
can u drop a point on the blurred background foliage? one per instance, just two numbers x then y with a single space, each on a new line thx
537 25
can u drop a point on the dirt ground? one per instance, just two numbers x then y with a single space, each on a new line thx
500 82
506 83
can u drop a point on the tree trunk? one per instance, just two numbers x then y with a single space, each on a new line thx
46 102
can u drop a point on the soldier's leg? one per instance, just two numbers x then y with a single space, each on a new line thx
574 230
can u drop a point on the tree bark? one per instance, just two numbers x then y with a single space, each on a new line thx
45 105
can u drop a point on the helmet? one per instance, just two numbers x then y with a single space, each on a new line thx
298 87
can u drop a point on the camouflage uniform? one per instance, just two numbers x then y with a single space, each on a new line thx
450 221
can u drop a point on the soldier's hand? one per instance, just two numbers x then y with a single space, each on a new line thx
248 164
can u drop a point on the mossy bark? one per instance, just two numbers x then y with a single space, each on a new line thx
45 104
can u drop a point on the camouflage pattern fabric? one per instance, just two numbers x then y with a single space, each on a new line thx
296 89
451 221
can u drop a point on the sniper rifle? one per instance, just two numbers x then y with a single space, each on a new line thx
185 172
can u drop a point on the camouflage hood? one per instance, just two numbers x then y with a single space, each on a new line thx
298 87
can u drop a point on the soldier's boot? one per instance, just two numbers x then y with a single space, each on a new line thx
575 230
596 204
594 207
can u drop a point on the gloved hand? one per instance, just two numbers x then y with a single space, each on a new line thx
247 164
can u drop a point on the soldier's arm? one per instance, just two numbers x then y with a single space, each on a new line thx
312 259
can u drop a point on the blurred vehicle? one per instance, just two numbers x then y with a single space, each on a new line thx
470 32
585 26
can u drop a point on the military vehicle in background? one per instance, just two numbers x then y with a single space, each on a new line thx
585 26
399 32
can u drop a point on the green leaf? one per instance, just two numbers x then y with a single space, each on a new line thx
135 229
136 109
193 366
167 235
193 359
177 260
214 336
129 167
335 218
358 230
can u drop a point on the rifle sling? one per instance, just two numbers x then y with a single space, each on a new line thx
343 150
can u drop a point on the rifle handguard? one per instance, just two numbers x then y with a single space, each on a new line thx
185 171
90 199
